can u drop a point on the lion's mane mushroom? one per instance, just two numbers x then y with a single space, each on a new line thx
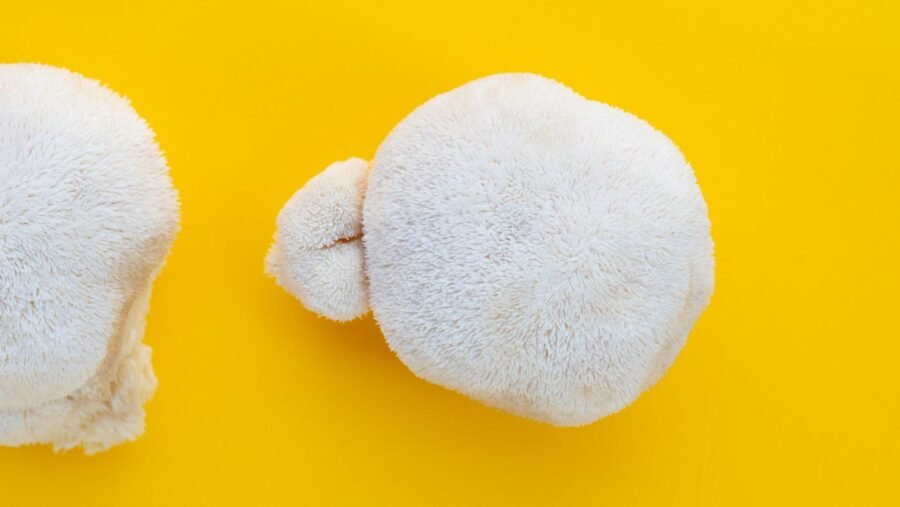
543 253
87 216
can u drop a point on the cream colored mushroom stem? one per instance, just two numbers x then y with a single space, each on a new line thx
318 252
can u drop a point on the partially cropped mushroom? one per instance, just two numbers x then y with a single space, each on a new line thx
87 216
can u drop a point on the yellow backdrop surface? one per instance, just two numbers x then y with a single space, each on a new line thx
787 393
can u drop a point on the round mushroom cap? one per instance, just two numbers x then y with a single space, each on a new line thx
541 252
87 215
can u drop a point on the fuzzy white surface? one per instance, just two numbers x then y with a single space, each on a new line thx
535 250
318 255
87 216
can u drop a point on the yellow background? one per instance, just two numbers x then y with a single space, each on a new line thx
788 391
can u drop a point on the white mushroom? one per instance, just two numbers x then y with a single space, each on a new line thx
87 216
318 254
538 251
